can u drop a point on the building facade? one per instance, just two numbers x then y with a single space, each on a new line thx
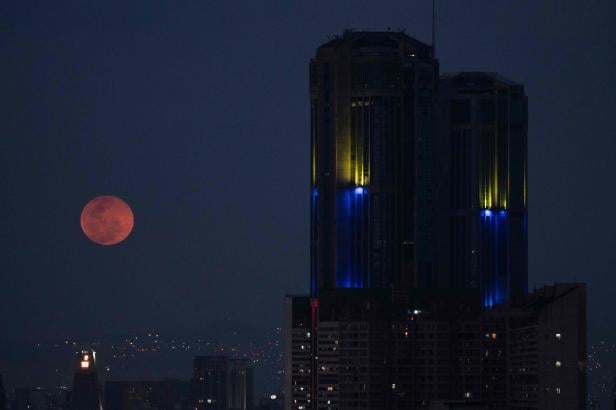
483 198
161 395
417 349
86 387
222 383
372 121
297 352
547 349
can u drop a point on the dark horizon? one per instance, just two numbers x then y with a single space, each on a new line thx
198 116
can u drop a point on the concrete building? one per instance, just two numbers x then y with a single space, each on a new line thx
547 349
378 348
86 393
297 351
161 395
222 383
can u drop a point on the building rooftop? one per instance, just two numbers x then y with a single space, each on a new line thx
478 78
378 40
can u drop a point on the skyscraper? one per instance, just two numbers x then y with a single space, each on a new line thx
209 384
419 244
240 385
372 98
86 388
482 165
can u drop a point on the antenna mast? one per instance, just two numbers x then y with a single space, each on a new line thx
433 28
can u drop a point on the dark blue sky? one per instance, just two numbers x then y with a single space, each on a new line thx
196 113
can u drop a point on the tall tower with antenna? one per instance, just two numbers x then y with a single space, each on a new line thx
86 386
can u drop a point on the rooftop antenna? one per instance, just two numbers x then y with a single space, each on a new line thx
433 28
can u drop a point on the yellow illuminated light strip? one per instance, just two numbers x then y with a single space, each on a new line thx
314 163
525 188
353 149
493 193
343 156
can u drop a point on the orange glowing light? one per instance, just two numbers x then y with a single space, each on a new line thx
107 220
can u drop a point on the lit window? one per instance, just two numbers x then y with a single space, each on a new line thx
85 365
558 363
393 386
330 388
86 357
273 397
467 394
558 336
493 335
558 390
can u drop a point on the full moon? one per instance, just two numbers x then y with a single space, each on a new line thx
107 220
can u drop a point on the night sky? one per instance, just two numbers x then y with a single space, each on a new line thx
196 113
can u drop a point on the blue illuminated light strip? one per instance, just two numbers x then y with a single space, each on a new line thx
494 273
350 236
313 233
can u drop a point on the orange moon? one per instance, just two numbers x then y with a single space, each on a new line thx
107 220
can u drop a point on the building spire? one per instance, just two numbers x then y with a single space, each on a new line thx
434 28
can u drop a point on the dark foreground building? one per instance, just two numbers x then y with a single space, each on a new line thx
38 398
86 388
160 395
222 383
419 244
384 349
2 395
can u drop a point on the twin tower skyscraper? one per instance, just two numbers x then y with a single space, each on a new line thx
418 180
418 226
